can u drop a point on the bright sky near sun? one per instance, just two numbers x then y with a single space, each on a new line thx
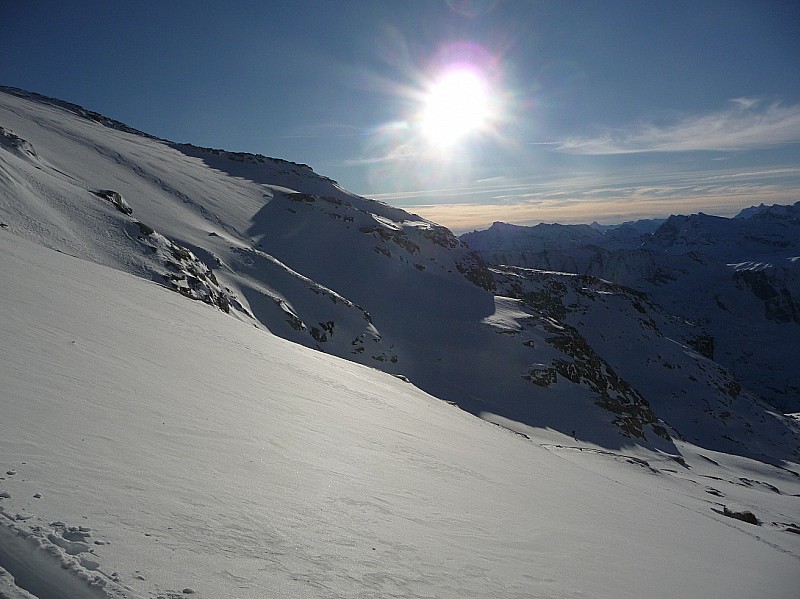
463 111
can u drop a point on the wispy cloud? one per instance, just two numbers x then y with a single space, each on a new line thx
638 205
748 123
397 154
608 198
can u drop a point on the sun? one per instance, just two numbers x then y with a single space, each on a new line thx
456 105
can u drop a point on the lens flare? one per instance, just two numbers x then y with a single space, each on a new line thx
456 105
449 113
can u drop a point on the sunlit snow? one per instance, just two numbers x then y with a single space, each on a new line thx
255 444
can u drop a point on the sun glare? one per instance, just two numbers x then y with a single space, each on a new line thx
456 105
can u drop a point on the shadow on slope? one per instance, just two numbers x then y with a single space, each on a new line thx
432 304
451 336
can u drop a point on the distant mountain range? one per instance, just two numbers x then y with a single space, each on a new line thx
737 280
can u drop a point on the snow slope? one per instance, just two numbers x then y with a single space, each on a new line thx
290 252
737 279
274 244
199 453
605 325
156 446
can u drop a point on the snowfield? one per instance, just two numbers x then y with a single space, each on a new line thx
202 453
737 279
293 433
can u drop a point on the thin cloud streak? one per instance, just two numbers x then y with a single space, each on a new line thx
747 124
399 154
461 218
605 198
588 185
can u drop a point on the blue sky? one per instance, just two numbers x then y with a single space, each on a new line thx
602 111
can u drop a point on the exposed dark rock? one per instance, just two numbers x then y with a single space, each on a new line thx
295 322
744 515
405 243
386 358
16 143
145 229
442 236
616 394
548 299
115 198
541 375
398 237
544 293
476 272
301 197
779 304
318 335
703 345
189 275
180 253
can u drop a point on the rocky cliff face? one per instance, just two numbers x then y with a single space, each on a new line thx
738 279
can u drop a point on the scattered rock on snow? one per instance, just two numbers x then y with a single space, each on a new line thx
115 198
15 143
541 375
188 274
743 515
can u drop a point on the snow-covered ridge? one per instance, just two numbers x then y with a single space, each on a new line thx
766 235
73 108
736 278
244 157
